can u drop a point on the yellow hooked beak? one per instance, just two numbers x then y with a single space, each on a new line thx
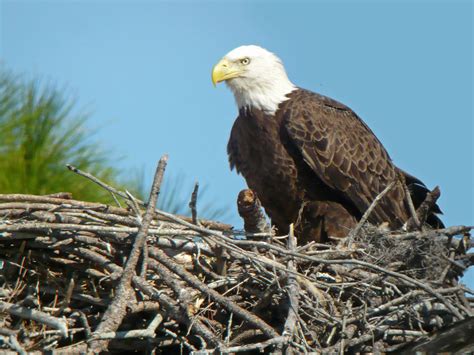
224 70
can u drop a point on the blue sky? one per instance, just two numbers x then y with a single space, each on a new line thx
142 68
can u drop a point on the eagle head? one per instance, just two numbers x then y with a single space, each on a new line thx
256 77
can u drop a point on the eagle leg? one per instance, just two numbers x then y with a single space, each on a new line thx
320 220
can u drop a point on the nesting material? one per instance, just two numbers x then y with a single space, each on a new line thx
195 287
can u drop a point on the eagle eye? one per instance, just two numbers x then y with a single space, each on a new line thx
245 61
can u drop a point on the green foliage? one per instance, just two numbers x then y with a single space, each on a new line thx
40 133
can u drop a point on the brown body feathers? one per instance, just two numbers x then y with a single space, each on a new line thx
317 164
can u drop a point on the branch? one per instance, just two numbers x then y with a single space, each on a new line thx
457 338
424 209
415 222
116 311
204 222
214 295
148 332
193 203
293 292
37 316
251 212
355 232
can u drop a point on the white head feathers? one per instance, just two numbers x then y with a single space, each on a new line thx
262 82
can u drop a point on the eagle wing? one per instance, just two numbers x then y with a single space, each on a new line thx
344 153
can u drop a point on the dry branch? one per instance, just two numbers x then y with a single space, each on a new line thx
250 210
423 211
353 233
115 313
81 276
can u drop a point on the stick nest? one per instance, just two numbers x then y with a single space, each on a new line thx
198 287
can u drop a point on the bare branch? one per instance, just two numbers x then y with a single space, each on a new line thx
116 311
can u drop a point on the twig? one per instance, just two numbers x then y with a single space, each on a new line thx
457 338
391 279
215 296
250 210
196 325
424 209
39 226
436 233
15 345
346 313
148 332
355 232
167 303
37 316
204 222
256 346
85 324
293 291
414 220
229 330
193 203
116 311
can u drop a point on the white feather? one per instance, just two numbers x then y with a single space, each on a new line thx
263 84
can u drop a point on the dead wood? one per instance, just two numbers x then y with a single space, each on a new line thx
115 312
80 276
250 210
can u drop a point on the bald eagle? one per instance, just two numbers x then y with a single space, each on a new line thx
310 159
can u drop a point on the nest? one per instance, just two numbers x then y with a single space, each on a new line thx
80 276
